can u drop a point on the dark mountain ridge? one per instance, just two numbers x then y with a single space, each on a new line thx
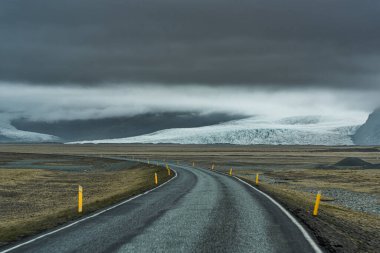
369 132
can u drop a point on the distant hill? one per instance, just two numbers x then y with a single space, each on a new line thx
352 162
369 132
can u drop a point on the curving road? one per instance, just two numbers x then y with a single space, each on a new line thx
198 211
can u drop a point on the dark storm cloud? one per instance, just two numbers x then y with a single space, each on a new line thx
251 42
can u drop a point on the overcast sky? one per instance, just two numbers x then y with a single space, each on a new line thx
253 42
108 51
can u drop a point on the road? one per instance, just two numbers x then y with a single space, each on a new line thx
198 211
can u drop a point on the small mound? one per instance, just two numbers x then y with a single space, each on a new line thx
352 162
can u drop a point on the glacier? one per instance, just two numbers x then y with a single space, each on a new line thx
295 130
9 133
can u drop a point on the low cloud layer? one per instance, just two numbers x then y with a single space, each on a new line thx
280 44
43 103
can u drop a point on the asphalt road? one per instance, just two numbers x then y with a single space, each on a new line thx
198 211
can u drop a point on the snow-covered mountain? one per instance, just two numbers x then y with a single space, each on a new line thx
9 133
313 130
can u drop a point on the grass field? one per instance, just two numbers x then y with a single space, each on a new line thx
36 199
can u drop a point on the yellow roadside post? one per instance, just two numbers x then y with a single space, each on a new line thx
168 171
155 178
231 172
317 201
212 167
80 199
257 178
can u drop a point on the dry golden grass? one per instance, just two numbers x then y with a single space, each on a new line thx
367 181
256 154
33 200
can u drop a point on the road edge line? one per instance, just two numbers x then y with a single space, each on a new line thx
88 217
306 235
